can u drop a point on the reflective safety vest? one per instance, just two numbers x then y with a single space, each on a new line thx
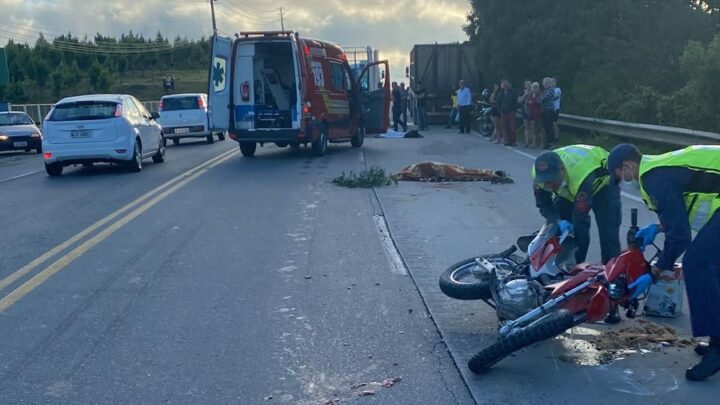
702 199
579 162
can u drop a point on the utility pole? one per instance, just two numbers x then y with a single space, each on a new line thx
282 19
212 11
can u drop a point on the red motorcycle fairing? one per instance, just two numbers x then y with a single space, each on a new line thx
586 271
631 263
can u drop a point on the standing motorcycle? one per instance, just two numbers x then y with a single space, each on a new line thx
544 294
483 118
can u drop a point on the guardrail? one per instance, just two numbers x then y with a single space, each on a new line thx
646 132
630 130
38 112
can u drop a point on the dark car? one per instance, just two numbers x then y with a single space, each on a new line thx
18 132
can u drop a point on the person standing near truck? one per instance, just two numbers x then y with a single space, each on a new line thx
453 115
464 101
507 104
421 105
396 105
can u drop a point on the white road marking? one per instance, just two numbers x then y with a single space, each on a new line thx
397 265
19 176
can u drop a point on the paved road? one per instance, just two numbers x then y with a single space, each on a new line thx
250 281
257 281
435 225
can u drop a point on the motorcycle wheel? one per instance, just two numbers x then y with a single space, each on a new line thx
550 326
459 281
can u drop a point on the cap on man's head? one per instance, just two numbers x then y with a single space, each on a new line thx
619 154
547 168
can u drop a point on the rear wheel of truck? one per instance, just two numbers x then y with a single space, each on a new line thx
248 148
210 139
319 147
221 136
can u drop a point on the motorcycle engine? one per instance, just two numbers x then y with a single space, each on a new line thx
517 297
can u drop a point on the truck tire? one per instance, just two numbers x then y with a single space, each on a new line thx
248 148
552 325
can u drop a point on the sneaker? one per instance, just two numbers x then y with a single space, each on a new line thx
708 366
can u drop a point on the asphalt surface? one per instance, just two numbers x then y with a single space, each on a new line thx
437 224
256 281
244 281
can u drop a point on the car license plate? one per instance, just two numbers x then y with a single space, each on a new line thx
81 134
19 144
182 130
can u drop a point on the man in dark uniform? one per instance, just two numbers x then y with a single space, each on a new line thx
683 187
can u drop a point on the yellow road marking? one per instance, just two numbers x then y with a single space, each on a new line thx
68 258
97 225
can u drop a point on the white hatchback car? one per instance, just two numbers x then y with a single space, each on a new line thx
186 116
113 128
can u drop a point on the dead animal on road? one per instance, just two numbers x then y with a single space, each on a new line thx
436 171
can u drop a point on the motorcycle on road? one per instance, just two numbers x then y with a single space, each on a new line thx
540 296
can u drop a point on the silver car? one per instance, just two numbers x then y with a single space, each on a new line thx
19 132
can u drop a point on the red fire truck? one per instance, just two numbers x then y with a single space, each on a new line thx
281 88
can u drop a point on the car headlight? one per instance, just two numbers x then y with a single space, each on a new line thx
3 138
35 135
617 289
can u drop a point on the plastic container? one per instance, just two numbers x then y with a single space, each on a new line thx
665 298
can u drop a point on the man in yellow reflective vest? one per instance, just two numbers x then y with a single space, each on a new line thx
571 181
683 187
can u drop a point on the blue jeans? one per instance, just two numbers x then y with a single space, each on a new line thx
701 268
421 119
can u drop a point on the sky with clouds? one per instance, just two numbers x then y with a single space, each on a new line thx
392 26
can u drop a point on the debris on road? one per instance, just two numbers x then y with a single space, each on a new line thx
589 346
366 393
641 335
356 386
390 382
374 177
436 171
395 134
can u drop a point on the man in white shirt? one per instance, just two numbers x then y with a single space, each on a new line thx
557 94
464 101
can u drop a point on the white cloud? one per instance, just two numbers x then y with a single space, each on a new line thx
391 26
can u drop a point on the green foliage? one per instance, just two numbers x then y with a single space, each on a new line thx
375 177
651 61
69 65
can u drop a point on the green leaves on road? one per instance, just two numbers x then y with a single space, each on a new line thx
374 177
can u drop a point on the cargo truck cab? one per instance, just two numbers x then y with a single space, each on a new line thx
276 87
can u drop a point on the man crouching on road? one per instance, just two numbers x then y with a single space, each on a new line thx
568 183
683 187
